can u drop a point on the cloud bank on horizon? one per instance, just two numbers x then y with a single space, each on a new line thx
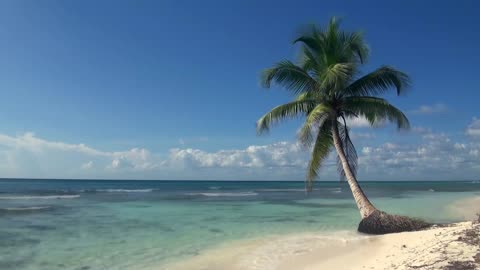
434 156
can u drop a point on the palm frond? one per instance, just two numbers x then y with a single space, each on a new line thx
315 119
333 26
324 48
312 38
324 82
375 110
336 75
312 95
308 60
355 44
283 112
378 82
290 76
321 149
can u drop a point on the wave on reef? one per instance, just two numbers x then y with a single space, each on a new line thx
42 197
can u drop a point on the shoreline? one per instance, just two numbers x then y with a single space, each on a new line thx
456 246
450 247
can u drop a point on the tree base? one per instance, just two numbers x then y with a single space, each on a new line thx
382 223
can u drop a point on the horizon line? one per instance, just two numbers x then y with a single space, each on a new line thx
193 180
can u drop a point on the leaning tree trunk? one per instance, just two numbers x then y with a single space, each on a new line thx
373 220
365 207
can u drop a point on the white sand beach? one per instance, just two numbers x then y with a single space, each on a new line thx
429 249
456 246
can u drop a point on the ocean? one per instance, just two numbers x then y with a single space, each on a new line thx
93 224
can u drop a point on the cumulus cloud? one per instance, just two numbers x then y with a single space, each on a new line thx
136 158
87 165
282 154
30 156
430 109
362 122
436 156
357 122
277 161
473 128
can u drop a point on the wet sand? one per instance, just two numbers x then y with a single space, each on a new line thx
456 246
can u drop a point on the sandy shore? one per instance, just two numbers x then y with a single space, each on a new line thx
456 246
453 247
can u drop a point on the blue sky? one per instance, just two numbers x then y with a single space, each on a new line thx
169 89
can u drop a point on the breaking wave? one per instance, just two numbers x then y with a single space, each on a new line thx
125 190
223 194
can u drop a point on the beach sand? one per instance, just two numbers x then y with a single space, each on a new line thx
456 246
440 248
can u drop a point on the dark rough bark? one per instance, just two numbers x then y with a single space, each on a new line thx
382 223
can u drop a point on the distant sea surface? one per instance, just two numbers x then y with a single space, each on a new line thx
92 224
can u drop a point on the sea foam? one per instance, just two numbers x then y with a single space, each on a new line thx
125 190
44 197
281 190
223 194
20 209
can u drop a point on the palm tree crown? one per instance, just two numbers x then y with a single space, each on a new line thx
328 88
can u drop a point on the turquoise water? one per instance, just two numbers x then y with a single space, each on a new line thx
86 224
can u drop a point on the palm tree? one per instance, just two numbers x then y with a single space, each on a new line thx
329 89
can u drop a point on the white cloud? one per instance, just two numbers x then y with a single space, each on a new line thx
87 165
437 156
32 143
362 122
29 156
282 154
430 109
357 122
135 158
366 150
474 128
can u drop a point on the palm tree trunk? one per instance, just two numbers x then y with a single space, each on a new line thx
364 205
